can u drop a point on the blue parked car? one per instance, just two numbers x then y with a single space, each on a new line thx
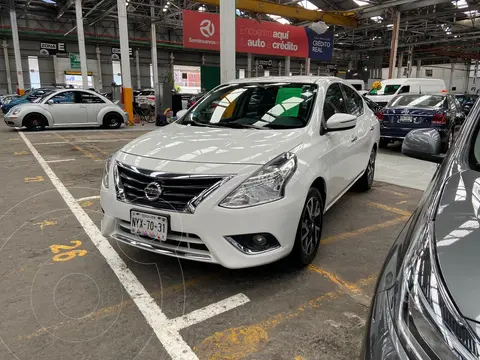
406 112
30 96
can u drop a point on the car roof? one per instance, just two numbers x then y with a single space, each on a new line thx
290 79
82 90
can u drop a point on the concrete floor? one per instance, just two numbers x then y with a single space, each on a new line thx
61 300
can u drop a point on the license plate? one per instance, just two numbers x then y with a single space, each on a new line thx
405 119
149 225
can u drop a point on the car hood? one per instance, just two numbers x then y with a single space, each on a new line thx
457 234
214 145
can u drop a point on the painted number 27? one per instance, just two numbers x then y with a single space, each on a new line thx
67 252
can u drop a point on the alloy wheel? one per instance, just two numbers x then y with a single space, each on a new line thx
311 222
371 167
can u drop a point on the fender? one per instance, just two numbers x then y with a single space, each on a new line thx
109 109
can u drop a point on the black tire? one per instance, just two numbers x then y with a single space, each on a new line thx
366 181
35 122
309 231
112 121
449 141
383 143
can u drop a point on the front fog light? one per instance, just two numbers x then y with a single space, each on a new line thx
253 243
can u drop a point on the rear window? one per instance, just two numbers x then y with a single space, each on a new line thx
417 100
146 93
357 86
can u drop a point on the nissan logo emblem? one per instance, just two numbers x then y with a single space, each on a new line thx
153 191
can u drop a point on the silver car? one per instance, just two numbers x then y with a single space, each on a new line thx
426 303
67 108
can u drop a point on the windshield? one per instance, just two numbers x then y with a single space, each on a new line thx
41 98
417 101
466 98
146 93
385 90
254 105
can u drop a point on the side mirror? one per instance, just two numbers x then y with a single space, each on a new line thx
341 121
181 113
423 144
50 102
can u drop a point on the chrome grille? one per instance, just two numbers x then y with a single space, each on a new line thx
179 191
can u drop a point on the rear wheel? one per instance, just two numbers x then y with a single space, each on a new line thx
309 230
112 121
366 181
35 122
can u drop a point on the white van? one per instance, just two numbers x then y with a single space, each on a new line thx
358 84
392 87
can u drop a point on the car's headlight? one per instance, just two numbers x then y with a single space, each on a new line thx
425 318
15 111
265 185
106 170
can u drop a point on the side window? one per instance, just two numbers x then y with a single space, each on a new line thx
88 98
353 101
334 102
63 98
404 89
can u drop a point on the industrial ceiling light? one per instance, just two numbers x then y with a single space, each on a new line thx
319 27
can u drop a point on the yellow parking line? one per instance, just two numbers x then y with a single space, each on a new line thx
16 153
118 307
389 208
396 193
79 148
240 342
349 288
34 179
347 235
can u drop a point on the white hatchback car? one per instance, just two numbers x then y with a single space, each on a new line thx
67 108
245 176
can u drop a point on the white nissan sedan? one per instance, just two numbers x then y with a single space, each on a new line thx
67 108
245 176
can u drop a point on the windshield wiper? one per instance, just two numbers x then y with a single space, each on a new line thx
234 125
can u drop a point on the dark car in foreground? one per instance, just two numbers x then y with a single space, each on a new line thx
407 112
426 303
466 101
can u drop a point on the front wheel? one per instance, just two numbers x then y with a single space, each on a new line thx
35 122
309 230
366 181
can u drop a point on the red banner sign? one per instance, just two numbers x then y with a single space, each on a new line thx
202 31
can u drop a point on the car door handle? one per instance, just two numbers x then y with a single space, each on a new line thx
354 139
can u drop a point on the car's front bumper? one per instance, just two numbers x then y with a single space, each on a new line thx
12 120
202 236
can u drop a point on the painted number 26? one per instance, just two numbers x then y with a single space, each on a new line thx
67 252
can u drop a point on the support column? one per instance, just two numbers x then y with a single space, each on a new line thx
99 70
153 29
137 69
16 50
394 47
301 69
409 61
249 65
400 65
307 66
256 68
452 71
287 66
419 68
279 68
55 69
467 75
475 74
81 43
227 40
125 57
7 67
